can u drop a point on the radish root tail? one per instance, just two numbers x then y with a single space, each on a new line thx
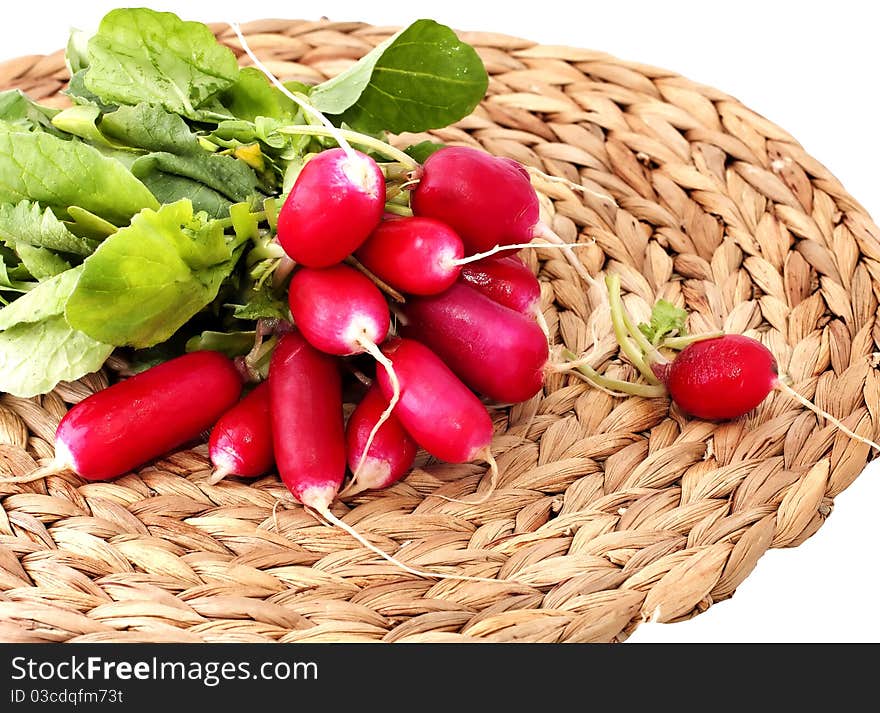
544 231
520 246
493 483
332 519
805 402
377 354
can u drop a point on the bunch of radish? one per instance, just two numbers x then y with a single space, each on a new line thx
467 331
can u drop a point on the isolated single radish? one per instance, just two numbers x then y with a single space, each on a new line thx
496 351
721 378
337 200
391 452
241 441
436 408
141 418
414 255
308 436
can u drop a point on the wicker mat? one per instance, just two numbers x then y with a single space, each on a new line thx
609 511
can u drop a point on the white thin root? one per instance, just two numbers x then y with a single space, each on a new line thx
377 354
332 519
304 105
786 389
493 484
545 232
571 184
517 246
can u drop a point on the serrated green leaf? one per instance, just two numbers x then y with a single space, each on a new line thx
40 262
28 223
666 319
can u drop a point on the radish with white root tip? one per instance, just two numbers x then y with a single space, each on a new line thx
308 436
241 441
716 377
489 201
379 456
120 428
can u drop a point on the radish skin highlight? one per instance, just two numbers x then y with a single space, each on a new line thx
241 441
120 428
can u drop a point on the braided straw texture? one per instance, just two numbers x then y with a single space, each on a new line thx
609 511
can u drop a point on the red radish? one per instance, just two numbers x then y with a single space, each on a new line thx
716 377
305 396
414 255
337 200
719 379
340 311
496 351
506 280
134 421
241 441
726 377
436 408
489 201
391 452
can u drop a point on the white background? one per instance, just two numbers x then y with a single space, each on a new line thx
810 67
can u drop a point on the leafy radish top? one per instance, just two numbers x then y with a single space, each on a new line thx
143 218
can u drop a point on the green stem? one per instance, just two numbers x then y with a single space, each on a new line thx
355 138
647 391
679 343
621 333
398 209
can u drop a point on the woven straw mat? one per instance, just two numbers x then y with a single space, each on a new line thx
609 511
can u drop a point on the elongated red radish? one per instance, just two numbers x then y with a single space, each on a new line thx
496 351
241 441
337 200
489 201
305 396
383 459
134 421
305 393
340 311
414 255
436 408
